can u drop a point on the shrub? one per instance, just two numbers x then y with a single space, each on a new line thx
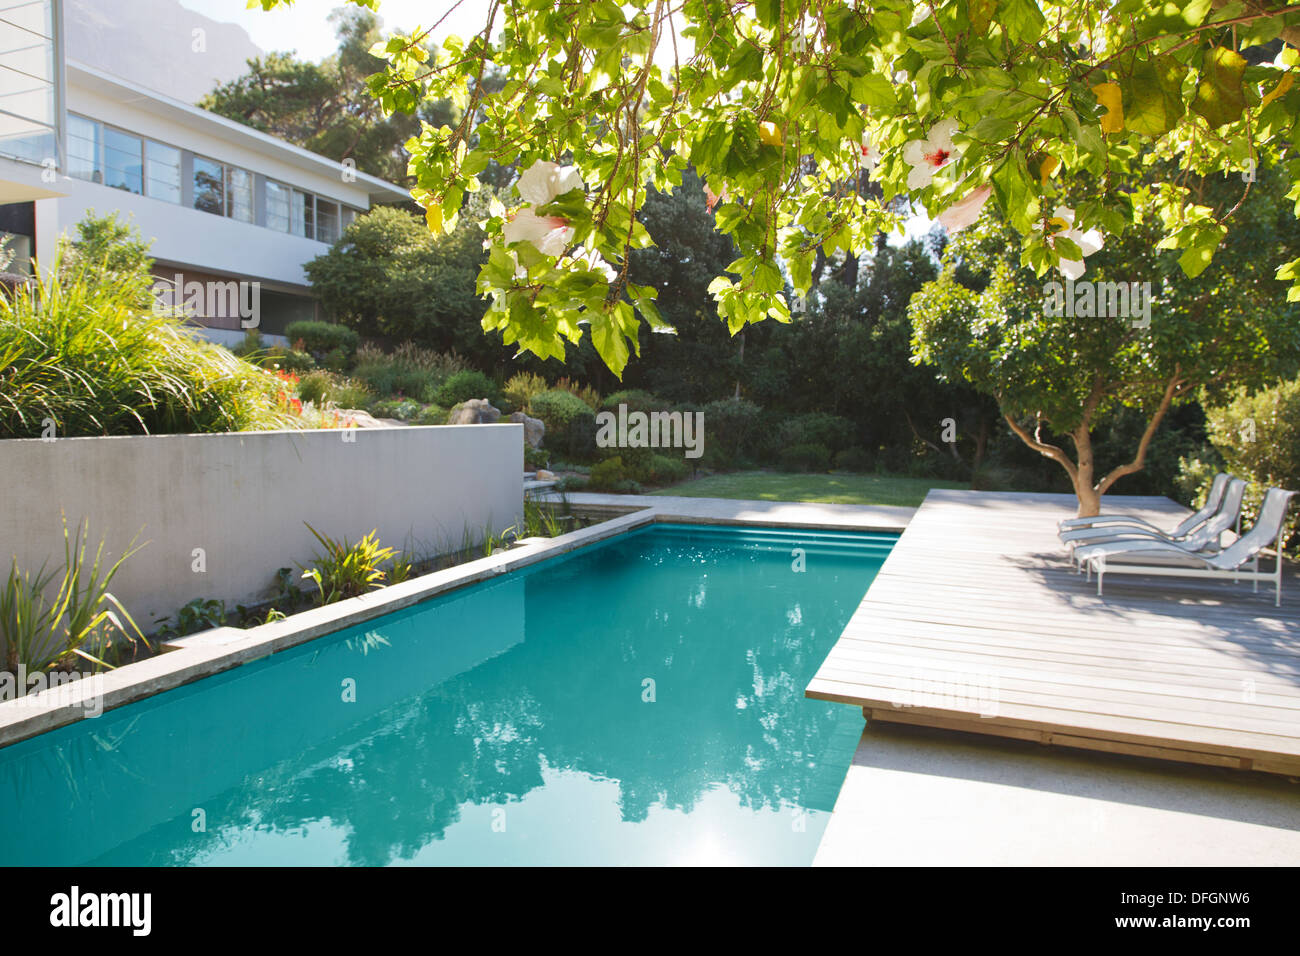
730 426
535 457
635 399
322 338
253 349
522 387
1259 438
664 470
572 483
585 392
408 370
580 441
322 387
403 409
818 428
557 410
605 475
81 345
431 415
806 457
853 459
463 386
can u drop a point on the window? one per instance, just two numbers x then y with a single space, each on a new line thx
83 149
300 224
327 221
162 171
278 199
123 161
209 186
29 88
239 194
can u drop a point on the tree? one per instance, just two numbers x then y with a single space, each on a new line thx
389 278
326 107
952 104
1060 358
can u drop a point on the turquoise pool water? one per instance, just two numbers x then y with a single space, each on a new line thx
639 701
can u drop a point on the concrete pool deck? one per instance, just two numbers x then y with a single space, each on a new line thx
730 511
920 796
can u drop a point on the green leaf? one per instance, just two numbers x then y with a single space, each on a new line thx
1220 97
1153 100
1197 257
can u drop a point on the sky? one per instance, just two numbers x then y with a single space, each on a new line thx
305 27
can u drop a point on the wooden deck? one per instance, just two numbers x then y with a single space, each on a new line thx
977 622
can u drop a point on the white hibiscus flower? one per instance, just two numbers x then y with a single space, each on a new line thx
1089 241
927 156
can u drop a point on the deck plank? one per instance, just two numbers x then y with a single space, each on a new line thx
978 608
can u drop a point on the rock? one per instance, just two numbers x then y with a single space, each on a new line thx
356 418
476 411
534 428
544 475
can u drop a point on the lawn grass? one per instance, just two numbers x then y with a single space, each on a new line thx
844 489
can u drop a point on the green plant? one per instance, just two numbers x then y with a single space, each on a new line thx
635 399
322 338
321 387
409 371
806 457
663 470
431 415
1258 436
731 425
197 615
590 397
535 457
84 352
521 388
818 428
346 570
463 386
403 409
81 620
605 475
558 409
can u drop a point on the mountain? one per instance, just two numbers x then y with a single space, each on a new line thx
157 44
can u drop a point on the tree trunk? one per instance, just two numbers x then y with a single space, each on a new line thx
1084 489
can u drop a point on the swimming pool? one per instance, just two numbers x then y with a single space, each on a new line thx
637 701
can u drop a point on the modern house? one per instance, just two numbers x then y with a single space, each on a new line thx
222 203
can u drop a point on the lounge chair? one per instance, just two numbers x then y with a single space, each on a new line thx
1211 506
1228 564
1202 536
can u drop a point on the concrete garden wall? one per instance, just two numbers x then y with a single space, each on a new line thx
243 499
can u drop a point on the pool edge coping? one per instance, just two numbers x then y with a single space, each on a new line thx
207 653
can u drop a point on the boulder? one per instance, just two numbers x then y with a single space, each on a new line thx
534 428
476 411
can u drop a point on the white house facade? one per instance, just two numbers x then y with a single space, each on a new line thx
222 203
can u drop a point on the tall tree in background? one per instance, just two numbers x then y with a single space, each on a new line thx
326 107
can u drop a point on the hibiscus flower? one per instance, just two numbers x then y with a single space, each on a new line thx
1088 242
966 210
540 184
550 234
870 155
927 156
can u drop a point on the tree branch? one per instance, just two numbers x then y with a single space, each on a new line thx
1048 451
1139 460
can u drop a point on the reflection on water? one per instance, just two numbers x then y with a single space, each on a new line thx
637 702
